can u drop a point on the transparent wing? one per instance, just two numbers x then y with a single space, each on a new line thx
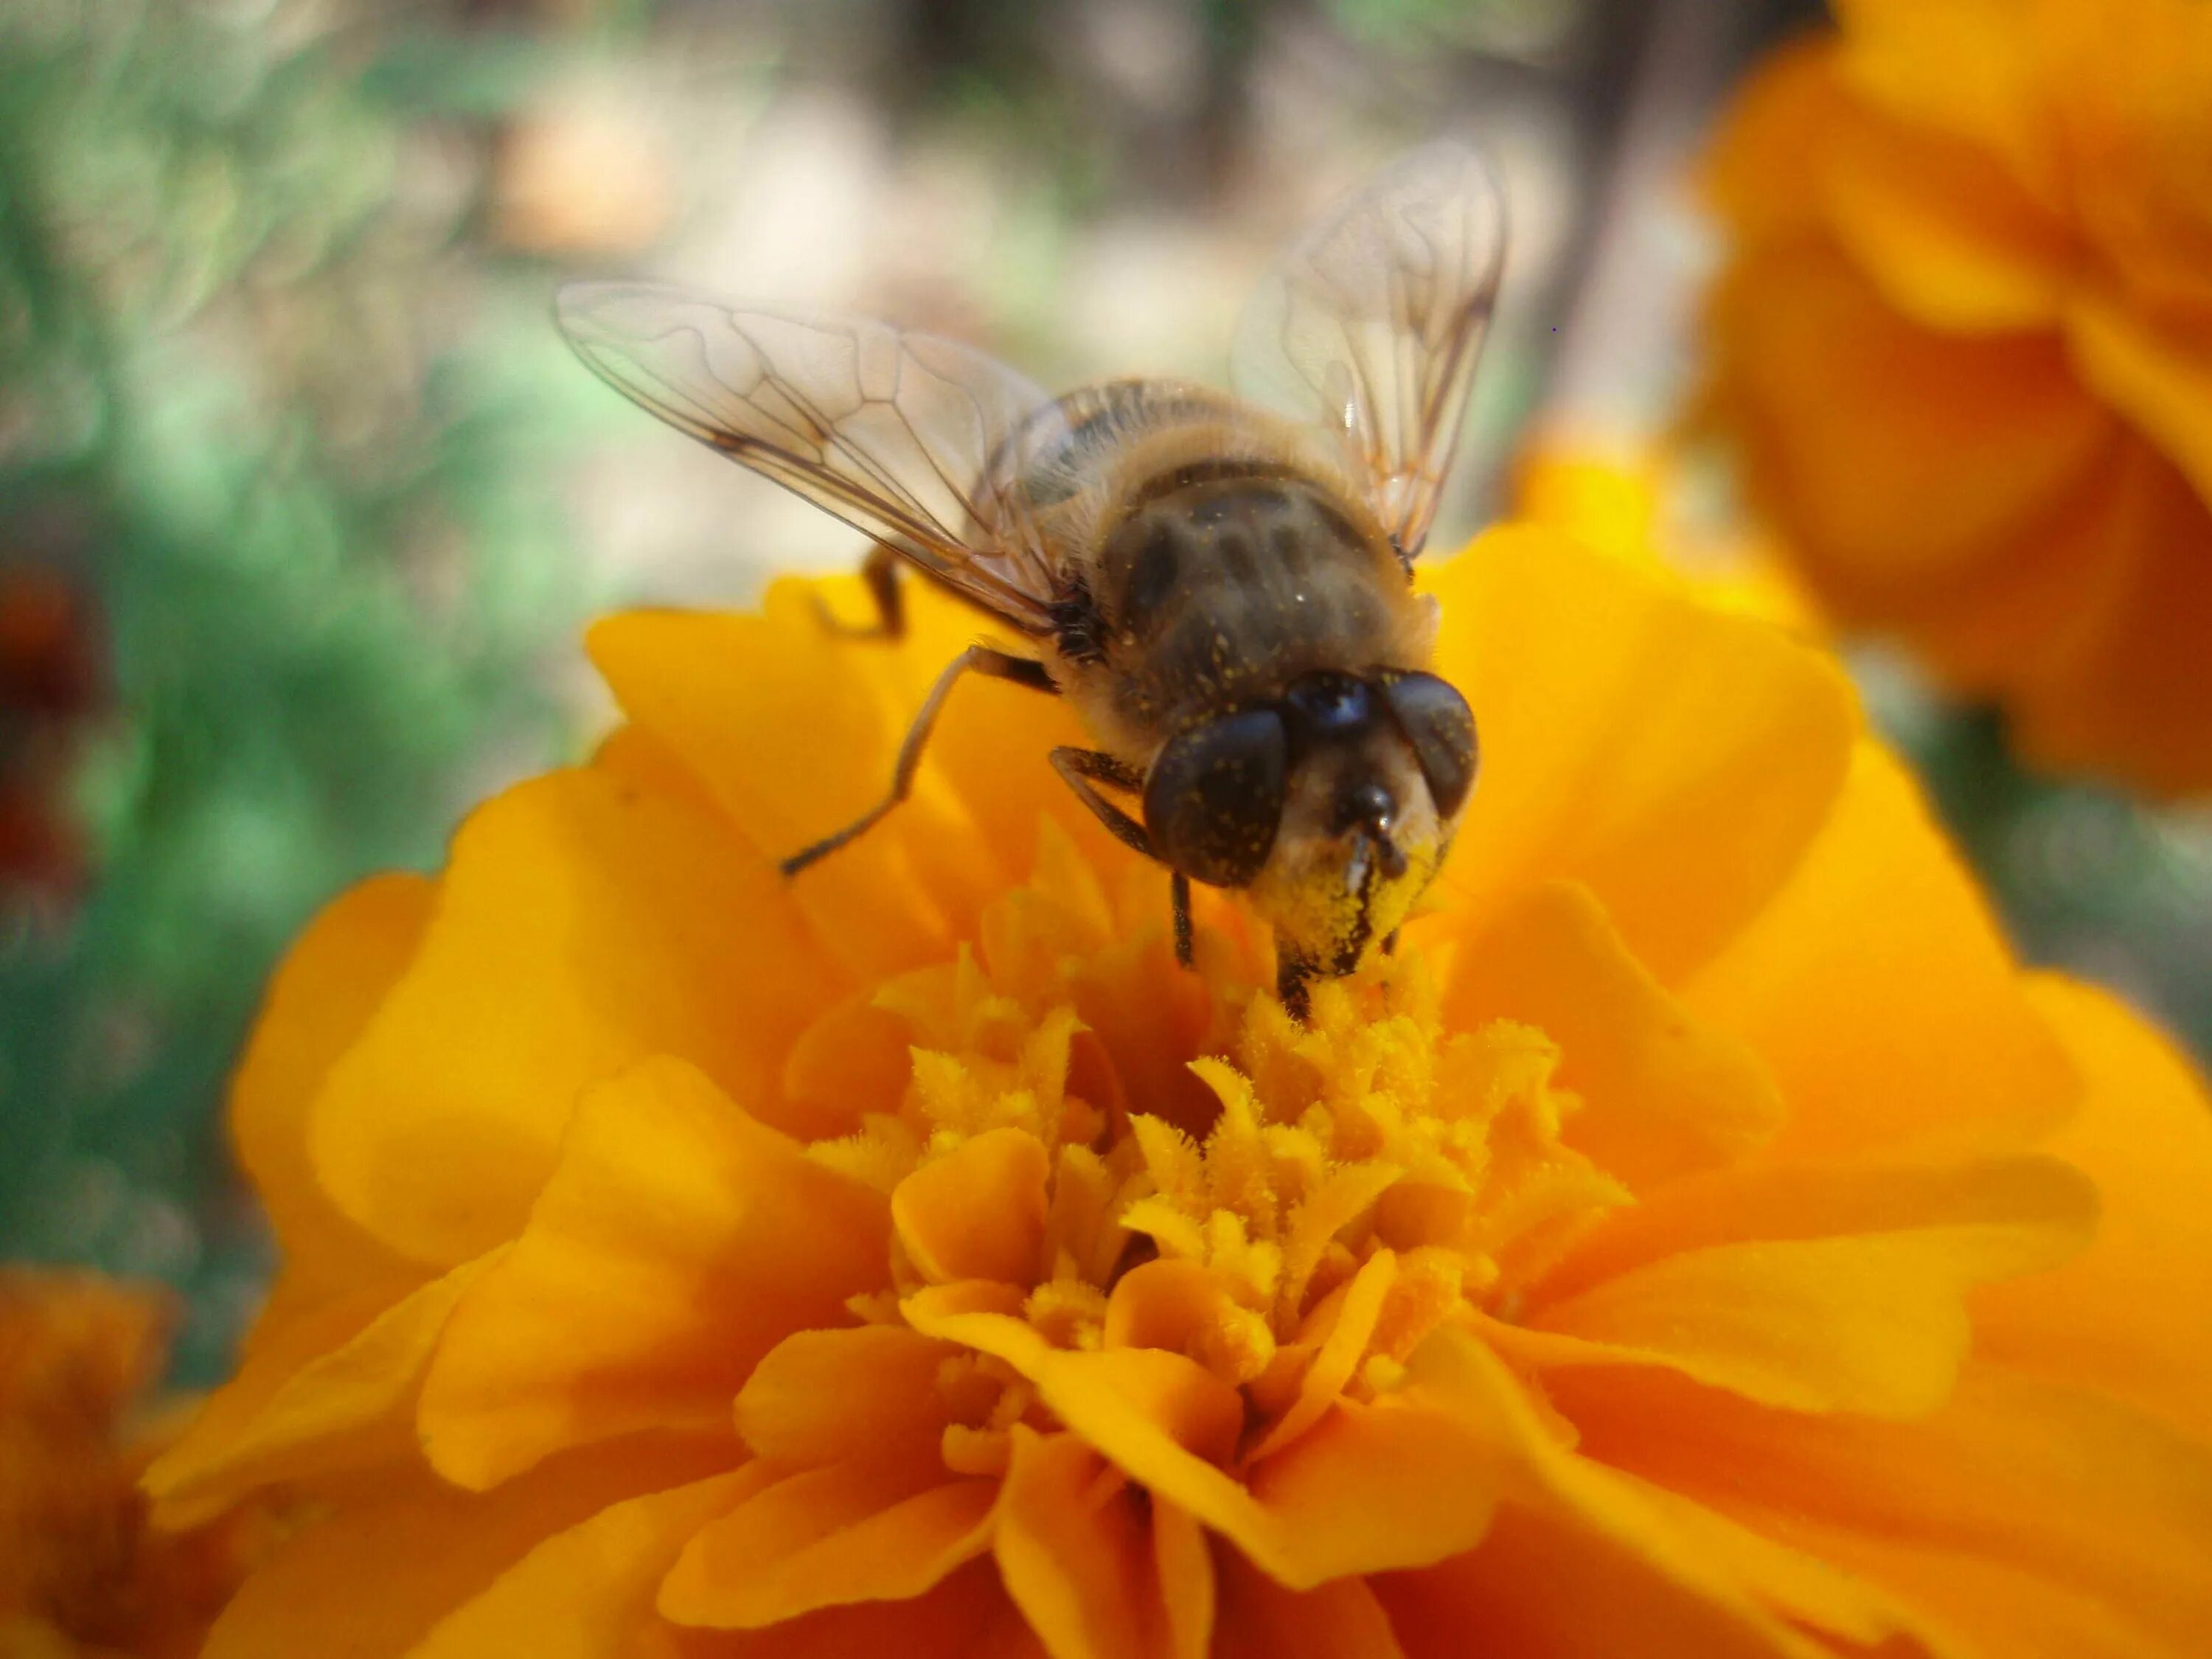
1371 323
914 440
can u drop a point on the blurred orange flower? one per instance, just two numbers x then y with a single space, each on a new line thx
1965 339
80 1571
1687 1244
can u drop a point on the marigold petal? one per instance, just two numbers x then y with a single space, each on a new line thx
1871 1317
824 1396
2038 1199
2127 1316
586 1592
1664 1094
1075 1552
1174 1397
373 1579
1873 1324
1351 1327
677 1243
1978 1608
856 1059
331 1391
1754 172
1168 1396
1144 1408
2123 691
331 982
1184 1561
1260 1619
1371 1488
584 922
1964 66
1884 1035
1974 438
978 1212
1169 1301
2013 1475
1403 1481
1946 233
965 1615
1798 1585
792 732
1579 1559
1676 761
1543 1587
827 1537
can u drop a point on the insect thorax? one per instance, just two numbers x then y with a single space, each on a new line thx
1226 582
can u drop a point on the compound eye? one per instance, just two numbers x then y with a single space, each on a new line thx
1215 797
1437 722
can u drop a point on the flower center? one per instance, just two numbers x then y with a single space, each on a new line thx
1321 1200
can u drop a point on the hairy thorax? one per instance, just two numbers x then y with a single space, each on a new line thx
1219 567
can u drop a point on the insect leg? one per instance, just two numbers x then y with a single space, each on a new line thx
1081 769
879 571
976 659
1293 976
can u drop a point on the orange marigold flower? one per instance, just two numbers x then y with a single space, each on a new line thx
1965 339
80 1571
1688 1243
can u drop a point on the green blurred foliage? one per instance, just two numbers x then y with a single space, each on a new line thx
298 453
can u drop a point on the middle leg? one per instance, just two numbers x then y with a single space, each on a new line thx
977 659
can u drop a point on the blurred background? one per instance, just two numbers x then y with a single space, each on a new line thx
302 500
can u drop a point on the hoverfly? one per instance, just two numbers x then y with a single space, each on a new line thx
1222 585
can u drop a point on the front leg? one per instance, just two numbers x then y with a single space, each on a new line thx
1083 770
976 659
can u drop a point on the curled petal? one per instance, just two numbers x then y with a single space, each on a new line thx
979 1211
1076 1551
1402 1482
677 1243
1664 1094
753 704
1940 1051
1260 1619
1675 762
826 1396
1350 1331
2088 1504
827 1537
331 982
587 920
588 1591
332 1391
425 1551
1871 1317
2115 1319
